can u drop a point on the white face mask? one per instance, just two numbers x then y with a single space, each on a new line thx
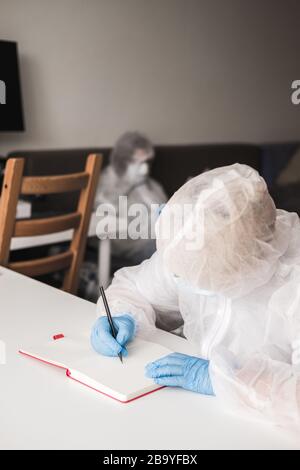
193 289
143 169
137 172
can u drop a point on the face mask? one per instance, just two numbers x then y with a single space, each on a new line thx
207 293
192 289
143 169
137 172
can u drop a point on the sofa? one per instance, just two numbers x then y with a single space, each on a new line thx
173 165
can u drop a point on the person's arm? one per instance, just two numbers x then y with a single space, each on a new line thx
159 194
266 382
143 292
266 387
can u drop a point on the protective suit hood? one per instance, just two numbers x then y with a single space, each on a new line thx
221 232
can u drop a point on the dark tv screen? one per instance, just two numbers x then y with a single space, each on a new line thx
11 111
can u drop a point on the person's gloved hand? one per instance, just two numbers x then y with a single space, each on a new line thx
179 370
102 340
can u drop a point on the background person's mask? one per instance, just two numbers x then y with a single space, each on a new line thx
137 172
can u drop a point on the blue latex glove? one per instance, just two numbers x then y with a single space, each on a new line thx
102 340
179 370
159 210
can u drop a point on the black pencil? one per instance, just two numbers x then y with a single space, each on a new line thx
111 323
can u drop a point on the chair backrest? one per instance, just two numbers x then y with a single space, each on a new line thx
15 184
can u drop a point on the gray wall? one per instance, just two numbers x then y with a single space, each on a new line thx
179 70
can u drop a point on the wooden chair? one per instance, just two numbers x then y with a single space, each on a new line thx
14 185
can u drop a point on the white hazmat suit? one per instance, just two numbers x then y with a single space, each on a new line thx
230 271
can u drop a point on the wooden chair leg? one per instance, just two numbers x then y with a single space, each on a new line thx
85 205
8 205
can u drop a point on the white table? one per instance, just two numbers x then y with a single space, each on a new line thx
41 409
104 251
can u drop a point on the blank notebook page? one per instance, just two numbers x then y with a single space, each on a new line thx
108 375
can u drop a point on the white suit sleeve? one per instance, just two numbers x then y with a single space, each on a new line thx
267 382
146 291
265 387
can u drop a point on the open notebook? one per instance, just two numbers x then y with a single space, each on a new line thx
123 382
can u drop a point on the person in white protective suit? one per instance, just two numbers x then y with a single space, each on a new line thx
128 175
230 271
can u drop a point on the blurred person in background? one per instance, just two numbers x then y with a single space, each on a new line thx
128 174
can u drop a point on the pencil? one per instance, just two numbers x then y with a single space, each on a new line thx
111 323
